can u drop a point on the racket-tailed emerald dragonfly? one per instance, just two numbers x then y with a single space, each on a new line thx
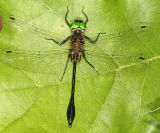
97 60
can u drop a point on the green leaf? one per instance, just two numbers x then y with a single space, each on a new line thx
124 98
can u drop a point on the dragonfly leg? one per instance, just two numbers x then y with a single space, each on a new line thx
66 18
90 63
85 16
93 41
59 43
65 67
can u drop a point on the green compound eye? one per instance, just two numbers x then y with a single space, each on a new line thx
82 25
74 25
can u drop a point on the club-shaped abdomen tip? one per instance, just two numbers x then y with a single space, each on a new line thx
70 123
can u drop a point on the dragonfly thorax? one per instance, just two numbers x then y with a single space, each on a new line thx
76 45
78 30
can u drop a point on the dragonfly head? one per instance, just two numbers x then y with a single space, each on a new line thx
78 25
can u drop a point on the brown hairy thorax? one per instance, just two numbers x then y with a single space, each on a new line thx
76 46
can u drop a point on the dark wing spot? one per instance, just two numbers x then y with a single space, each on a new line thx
141 58
143 26
8 51
12 18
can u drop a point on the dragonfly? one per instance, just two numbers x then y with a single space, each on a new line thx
77 51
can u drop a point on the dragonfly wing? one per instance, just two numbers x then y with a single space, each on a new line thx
105 62
36 54
28 35
127 42
36 61
99 55
122 34
124 48
23 25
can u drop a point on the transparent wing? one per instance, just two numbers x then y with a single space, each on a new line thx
104 62
118 38
128 42
54 61
106 55
36 61
123 33
31 27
